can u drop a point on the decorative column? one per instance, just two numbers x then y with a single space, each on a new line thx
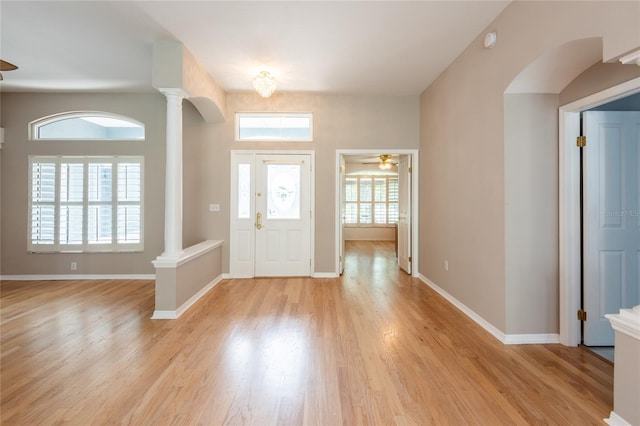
173 178
626 370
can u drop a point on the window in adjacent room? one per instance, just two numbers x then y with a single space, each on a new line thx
371 200
85 204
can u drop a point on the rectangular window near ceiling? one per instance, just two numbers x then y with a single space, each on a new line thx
85 204
271 126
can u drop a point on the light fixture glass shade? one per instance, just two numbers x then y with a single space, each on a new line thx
265 84
385 162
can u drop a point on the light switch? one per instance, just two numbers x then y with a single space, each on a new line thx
214 207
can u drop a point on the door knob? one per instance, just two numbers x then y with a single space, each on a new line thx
259 220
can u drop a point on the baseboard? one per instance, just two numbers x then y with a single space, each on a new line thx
616 420
507 339
164 315
186 305
77 277
531 339
465 309
324 275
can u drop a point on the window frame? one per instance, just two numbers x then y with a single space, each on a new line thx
85 246
240 115
371 202
35 125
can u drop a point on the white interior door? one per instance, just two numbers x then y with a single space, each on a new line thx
404 213
611 219
283 215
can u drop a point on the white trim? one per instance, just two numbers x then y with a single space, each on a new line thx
626 322
50 277
164 315
616 420
324 275
531 339
569 205
186 305
187 254
415 196
631 58
466 310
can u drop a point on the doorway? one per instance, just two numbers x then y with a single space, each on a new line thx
611 226
378 216
271 215
570 207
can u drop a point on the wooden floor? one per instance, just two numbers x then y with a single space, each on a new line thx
373 347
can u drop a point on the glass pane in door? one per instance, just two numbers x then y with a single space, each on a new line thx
283 189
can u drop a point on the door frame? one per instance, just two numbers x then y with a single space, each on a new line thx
236 271
415 191
569 204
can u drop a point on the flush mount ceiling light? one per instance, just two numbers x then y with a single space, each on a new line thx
385 162
265 84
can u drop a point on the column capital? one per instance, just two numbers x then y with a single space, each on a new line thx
174 92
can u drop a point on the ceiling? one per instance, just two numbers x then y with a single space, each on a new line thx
344 47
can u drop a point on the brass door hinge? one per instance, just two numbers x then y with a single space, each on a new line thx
581 141
409 259
582 315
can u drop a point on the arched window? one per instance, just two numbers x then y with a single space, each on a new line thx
86 125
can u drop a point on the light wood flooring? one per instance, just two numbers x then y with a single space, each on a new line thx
373 347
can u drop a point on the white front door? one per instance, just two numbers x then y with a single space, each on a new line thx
270 214
611 219
283 215
404 213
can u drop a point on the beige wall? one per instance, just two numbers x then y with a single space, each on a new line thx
462 145
20 109
531 213
599 77
372 233
340 122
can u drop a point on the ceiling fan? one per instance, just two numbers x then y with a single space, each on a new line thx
385 162
6 66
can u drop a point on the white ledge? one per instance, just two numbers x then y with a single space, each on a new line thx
187 254
626 322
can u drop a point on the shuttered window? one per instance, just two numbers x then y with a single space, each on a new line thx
371 200
86 204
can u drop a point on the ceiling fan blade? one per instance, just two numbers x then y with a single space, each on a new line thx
1 77
6 66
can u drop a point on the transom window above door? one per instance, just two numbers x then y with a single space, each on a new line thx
271 126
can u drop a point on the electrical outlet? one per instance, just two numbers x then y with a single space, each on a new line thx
74 266
446 265
214 207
